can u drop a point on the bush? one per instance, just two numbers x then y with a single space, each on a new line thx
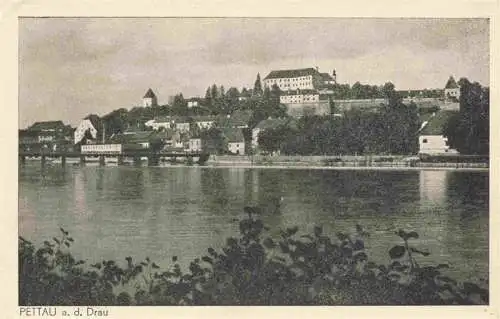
250 270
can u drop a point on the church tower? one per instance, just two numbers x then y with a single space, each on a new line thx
149 99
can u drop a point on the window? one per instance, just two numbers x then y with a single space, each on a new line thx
424 140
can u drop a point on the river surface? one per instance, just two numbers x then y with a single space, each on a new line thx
160 212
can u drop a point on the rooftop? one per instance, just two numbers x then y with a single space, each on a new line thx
272 123
234 135
299 92
326 77
95 120
149 94
451 84
238 118
47 125
291 73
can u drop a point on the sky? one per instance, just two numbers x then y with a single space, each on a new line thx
72 67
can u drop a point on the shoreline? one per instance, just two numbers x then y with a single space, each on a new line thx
307 165
367 168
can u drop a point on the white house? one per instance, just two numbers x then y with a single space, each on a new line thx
431 138
161 122
235 140
169 122
90 123
204 122
303 79
292 79
194 145
299 96
193 102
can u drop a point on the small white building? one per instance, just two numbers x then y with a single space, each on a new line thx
204 122
194 145
452 89
169 122
182 126
235 141
193 102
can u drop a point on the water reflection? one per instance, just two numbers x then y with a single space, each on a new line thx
214 189
129 184
114 212
433 186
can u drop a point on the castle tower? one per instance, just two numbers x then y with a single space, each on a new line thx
334 76
149 99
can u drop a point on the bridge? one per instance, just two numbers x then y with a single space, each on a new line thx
136 155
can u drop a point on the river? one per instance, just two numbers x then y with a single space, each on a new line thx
160 212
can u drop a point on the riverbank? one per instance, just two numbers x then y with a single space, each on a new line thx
313 162
339 162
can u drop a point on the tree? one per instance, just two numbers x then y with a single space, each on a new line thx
179 105
356 91
468 130
232 102
271 140
115 121
257 88
213 141
388 91
156 143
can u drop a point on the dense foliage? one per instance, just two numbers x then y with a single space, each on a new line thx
250 270
393 129
366 91
468 130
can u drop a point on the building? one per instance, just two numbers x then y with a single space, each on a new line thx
328 79
290 80
204 122
180 123
90 128
194 102
194 145
149 99
51 135
137 139
172 139
235 140
431 135
303 91
452 90
160 122
102 148
48 126
299 96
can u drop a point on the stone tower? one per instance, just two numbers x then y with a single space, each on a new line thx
149 99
